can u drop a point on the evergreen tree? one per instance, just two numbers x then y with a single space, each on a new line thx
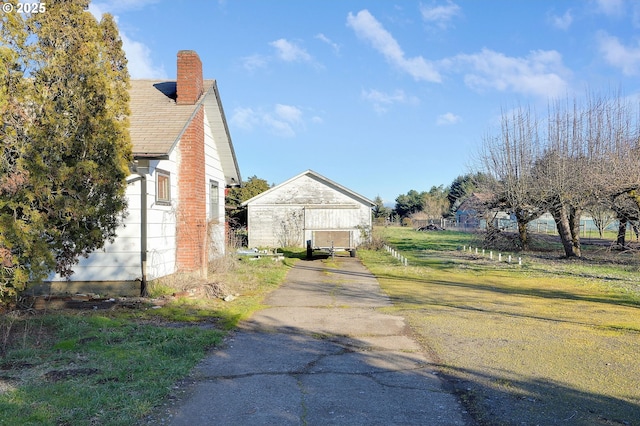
72 149
250 188
411 202
380 211
463 186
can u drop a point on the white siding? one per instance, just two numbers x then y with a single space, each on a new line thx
120 260
306 190
331 217
161 220
310 205
276 226
214 172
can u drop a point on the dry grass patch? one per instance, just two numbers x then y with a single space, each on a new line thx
523 345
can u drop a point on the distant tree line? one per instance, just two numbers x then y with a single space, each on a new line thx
439 202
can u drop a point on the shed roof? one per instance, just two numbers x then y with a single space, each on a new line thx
157 123
320 178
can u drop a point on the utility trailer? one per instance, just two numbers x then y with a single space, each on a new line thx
331 241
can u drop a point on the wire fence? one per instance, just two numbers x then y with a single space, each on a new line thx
543 225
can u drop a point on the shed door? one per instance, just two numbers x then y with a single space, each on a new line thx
331 216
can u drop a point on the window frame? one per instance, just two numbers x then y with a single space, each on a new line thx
165 201
214 184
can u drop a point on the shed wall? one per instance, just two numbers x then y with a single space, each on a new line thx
287 216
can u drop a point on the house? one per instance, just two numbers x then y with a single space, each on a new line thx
183 161
477 209
308 207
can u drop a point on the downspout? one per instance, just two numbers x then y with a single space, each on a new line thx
143 231
143 235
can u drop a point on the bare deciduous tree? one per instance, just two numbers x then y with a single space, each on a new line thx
588 158
509 159
591 155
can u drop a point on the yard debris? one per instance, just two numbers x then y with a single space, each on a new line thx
431 227
71 301
89 301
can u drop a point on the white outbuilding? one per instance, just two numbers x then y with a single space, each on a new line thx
309 207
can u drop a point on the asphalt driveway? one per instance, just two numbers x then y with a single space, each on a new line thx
323 353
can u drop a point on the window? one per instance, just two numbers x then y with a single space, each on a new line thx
163 187
214 200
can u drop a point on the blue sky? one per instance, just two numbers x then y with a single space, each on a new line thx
381 96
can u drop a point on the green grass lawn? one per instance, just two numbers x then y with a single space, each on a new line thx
550 341
113 367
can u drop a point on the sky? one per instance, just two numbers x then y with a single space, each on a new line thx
381 96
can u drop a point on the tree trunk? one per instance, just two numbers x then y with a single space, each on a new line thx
523 218
561 218
523 234
622 232
574 222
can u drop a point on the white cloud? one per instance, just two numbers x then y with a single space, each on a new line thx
140 64
278 127
139 61
254 62
627 58
562 22
440 15
612 8
541 73
383 101
290 52
288 113
245 118
448 118
369 29
281 120
285 50
325 39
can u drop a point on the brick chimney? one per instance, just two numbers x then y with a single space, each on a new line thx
189 83
191 231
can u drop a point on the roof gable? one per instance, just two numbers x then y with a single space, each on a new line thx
318 178
157 122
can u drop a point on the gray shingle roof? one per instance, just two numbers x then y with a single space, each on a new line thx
157 122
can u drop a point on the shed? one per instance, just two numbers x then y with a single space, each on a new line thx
480 208
308 207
